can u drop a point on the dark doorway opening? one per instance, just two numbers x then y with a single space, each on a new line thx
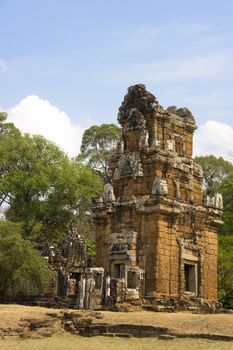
77 277
132 279
118 270
190 273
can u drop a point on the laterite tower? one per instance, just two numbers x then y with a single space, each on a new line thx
156 232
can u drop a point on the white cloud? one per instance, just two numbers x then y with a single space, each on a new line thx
214 138
35 115
3 66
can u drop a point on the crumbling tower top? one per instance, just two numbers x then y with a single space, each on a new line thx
139 99
146 124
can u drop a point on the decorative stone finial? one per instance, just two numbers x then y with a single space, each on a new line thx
108 196
215 201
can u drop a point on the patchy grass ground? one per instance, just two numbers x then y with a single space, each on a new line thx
10 315
181 322
74 342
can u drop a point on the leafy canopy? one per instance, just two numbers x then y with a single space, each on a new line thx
225 271
7 128
215 171
41 186
22 269
226 188
218 177
97 143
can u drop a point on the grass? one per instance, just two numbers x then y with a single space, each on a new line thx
179 322
74 342
10 315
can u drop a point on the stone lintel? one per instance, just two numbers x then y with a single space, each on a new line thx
119 256
190 257
159 208
216 223
103 211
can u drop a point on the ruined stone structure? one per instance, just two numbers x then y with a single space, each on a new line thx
76 280
156 233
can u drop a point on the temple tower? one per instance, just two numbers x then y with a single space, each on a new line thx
156 233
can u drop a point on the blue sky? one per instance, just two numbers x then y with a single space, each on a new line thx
68 63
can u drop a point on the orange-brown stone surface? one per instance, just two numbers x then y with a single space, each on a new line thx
156 233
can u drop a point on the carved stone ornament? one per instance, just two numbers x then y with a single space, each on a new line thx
218 201
135 120
129 165
159 186
215 202
108 195
144 138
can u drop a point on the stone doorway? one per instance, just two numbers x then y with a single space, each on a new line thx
190 274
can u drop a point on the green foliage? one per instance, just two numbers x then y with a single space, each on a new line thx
44 189
226 188
97 143
22 269
215 171
218 177
225 271
91 249
85 227
7 128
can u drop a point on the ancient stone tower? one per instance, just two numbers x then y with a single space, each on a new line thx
156 234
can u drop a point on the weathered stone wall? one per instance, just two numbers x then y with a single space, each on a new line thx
76 280
154 218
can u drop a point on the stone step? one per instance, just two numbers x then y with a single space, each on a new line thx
122 335
166 337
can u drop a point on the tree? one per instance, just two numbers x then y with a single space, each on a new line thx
8 134
22 269
7 128
225 271
42 187
97 143
215 171
226 188
218 177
